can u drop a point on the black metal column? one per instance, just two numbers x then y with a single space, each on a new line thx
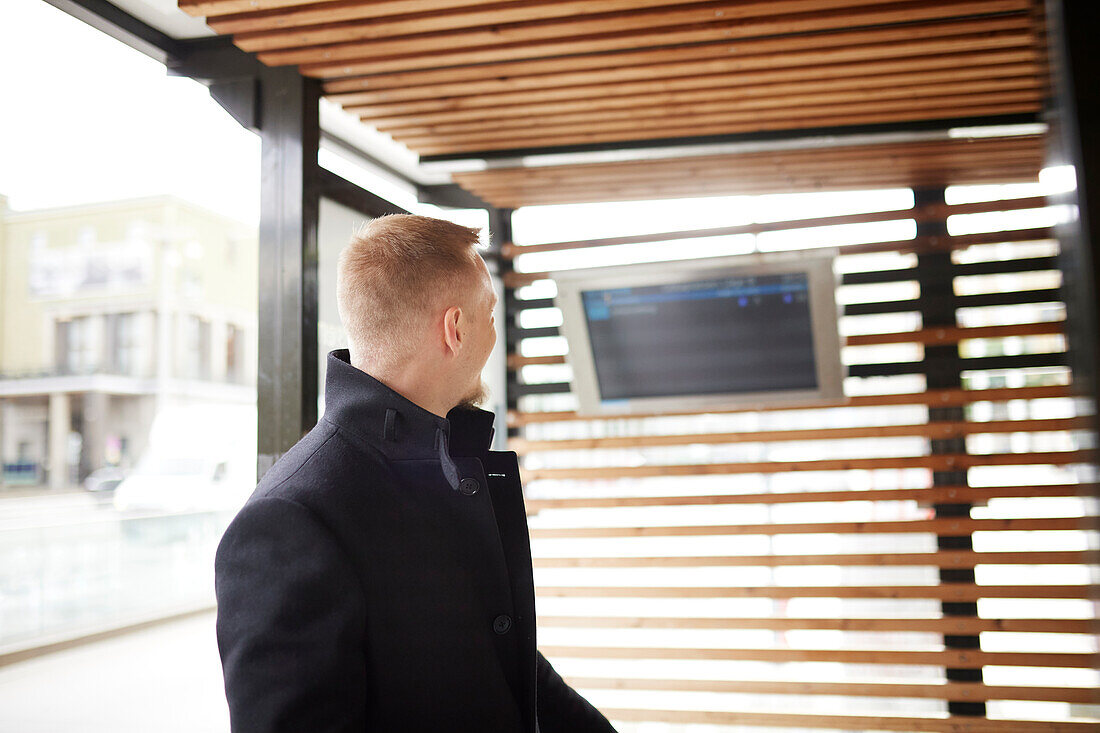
1074 118
289 204
500 226
943 370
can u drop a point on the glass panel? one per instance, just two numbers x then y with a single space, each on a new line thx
128 332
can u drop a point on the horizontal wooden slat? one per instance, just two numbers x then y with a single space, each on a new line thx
912 70
925 213
931 495
941 462
731 111
946 625
1046 358
928 154
389 83
708 89
938 398
528 23
950 724
928 337
950 593
406 18
780 181
916 244
942 526
794 169
942 559
734 117
867 114
972 691
937 336
712 104
206 8
932 430
964 659
840 179
978 300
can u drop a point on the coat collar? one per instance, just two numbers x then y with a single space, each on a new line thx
388 421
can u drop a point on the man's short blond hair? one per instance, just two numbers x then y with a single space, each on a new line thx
393 275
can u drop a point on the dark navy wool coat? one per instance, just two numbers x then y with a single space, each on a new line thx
379 579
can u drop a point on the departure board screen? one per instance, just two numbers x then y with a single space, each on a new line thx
729 335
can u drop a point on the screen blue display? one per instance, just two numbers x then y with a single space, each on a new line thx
717 336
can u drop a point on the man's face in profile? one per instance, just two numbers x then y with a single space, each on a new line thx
483 335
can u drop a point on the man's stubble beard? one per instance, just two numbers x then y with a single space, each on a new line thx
477 396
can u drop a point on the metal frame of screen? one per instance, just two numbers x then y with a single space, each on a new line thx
817 265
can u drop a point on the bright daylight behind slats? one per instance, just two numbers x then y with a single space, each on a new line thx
857 565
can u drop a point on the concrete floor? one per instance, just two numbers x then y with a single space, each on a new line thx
165 679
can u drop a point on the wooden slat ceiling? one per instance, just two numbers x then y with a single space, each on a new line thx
854 167
462 77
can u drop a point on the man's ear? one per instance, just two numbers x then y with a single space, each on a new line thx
452 335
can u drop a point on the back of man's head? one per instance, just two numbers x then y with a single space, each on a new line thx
393 277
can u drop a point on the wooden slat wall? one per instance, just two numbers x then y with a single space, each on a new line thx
458 77
722 590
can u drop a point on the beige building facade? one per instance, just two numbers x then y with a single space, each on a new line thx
110 312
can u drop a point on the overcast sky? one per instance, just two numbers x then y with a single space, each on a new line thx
85 118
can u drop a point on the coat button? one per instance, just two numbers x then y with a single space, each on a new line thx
468 486
502 623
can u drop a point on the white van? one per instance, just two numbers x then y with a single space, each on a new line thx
199 458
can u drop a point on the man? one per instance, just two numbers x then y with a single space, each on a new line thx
379 577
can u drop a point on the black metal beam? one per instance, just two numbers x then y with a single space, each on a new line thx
450 195
371 160
346 193
232 75
290 194
446 195
744 137
213 59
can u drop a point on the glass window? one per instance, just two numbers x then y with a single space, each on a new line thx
124 281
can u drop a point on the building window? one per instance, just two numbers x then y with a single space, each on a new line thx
122 343
75 349
234 354
197 344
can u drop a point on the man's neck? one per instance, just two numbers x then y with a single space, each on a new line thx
418 385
